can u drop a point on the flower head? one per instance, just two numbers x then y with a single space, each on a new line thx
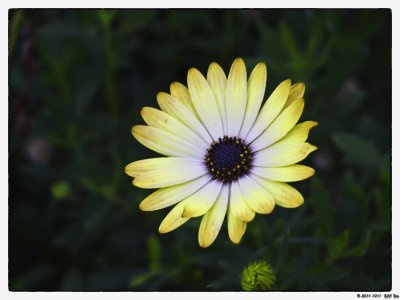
223 154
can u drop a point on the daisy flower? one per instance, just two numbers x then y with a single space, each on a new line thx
224 153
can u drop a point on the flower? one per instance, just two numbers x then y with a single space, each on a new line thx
224 155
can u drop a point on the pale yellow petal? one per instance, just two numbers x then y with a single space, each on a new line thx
255 95
286 174
236 227
181 93
238 204
236 96
164 142
159 119
284 195
141 166
282 155
217 80
171 195
256 196
280 126
173 220
183 171
270 110
204 102
138 167
298 134
178 110
200 202
212 221
296 92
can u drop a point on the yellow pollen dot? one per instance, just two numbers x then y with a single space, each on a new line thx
212 170
211 163
241 155
245 152
238 166
229 173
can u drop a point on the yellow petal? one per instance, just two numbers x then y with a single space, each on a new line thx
280 126
171 195
178 110
236 227
286 174
236 96
255 95
270 110
173 220
164 142
256 196
217 80
200 202
284 195
183 171
298 134
181 93
141 166
296 92
212 221
159 119
204 102
282 155
238 204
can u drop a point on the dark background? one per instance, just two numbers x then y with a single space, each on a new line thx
77 81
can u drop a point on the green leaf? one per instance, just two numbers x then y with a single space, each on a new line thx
154 248
106 16
139 280
321 204
361 247
357 151
339 244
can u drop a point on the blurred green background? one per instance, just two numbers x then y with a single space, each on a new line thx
77 81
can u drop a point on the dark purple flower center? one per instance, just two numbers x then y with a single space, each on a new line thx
228 159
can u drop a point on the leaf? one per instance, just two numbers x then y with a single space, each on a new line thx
321 204
139 280
361 247
106 16
357 151
339 244
154 250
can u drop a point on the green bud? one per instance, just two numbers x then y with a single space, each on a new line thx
61 190
257 276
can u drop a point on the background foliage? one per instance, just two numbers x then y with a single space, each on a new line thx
77 81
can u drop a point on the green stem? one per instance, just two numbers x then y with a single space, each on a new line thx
110 78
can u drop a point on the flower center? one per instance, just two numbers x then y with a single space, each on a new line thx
228 159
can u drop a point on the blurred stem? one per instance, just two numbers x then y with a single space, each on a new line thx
110 77
61 78
74 143
16 22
